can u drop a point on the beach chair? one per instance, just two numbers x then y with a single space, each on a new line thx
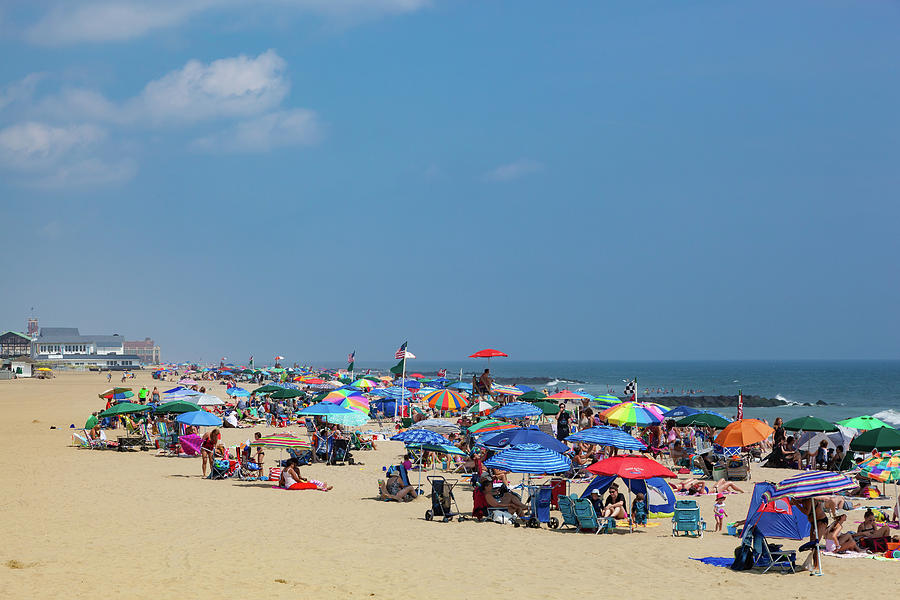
737 469
768 556
699 468
588 520
567 510
686 519
356 443
190 445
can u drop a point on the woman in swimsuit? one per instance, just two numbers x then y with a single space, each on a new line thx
838 542
291 480
870 529
208 448
614 506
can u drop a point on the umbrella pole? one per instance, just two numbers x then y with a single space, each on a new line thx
814 534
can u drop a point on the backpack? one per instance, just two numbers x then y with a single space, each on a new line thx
743 558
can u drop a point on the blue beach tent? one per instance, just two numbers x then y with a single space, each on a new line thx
660 498
788 522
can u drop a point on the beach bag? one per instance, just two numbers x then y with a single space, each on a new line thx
876 545
502 517
274 473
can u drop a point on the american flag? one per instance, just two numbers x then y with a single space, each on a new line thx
403 353
631 389
351 356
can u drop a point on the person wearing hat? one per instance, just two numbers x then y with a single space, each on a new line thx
596 499
719 510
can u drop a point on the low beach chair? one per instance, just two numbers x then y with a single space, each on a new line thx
567 510
687 520
588 519
768 556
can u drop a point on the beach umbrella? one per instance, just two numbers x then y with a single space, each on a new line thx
355 402
461 385
267 389
533 459
811 484
187 381
442 426
863 423
353 418
607 399
200 418
809 423
878 468
207 400
237 392
176 406
522 435
419 436
662 408
417 375
489 426
364 384
630 466
533 395
91 422
117 394
704 419
548 408
880 438
483 406
439 448
679 412
632 413
322 409
566 395
281 440
517 410
743 432
607 436
489 353
505 390
284 394
313 381
124 408
445 400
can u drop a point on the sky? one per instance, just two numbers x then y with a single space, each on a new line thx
616 180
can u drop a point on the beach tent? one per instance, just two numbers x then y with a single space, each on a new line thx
779 519
659 495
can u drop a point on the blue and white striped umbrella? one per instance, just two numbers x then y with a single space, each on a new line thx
420 436
517 410
607 436
529 458
812 484
237 392
679 412
395 392
522 436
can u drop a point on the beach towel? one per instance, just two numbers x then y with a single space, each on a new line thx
715 561
849 554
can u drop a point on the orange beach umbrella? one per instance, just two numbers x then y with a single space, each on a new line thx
743 432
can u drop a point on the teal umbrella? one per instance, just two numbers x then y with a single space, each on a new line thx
91 422
863 423
704 420
176 407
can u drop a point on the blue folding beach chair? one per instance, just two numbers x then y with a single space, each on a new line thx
567 510
768 556
588 520
687 520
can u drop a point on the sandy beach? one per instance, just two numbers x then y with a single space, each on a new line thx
86 524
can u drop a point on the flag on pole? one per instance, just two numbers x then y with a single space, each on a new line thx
442 372
251 361
350 359
402 353
398 368
740 414
631 389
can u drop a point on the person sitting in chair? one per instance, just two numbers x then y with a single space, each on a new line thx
497 495
393 489
615 504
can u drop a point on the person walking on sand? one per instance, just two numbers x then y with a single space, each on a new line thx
719 511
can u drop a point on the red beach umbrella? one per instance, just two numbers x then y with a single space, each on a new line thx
489 353
630 466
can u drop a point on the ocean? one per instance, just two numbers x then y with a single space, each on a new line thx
850 388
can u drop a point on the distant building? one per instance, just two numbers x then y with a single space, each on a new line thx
146 350
66 346
13 343
32 329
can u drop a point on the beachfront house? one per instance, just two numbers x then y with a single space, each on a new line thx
13 344
67 347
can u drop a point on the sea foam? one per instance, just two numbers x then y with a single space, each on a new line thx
889 416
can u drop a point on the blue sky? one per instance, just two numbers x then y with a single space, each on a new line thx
587 180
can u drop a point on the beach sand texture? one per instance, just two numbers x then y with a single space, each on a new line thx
77 523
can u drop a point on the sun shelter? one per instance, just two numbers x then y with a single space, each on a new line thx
659 494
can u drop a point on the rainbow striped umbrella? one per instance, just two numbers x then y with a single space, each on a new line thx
363 384
348 399
660 407
281 440
446 400
882 468
489 426
506 390
811 484
633 413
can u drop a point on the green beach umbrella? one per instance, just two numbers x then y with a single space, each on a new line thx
283 393
704 420
863 423
881 438
91 422
124 408
267 389
548 408
810 423
176 407
532 395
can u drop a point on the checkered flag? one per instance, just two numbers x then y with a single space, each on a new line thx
631 389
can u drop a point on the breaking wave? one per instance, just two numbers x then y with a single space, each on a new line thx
889 416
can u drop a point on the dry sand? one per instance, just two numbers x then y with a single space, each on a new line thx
77 523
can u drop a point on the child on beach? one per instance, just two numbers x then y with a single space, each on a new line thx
719 510
639 509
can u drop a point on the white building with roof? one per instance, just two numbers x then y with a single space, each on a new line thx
67 346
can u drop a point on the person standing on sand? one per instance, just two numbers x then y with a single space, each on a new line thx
562 422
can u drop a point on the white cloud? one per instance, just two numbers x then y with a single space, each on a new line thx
74 21
238 86
514 170
47 156
19 91
295 127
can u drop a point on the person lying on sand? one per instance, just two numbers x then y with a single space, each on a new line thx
696 486
834 503
291 480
